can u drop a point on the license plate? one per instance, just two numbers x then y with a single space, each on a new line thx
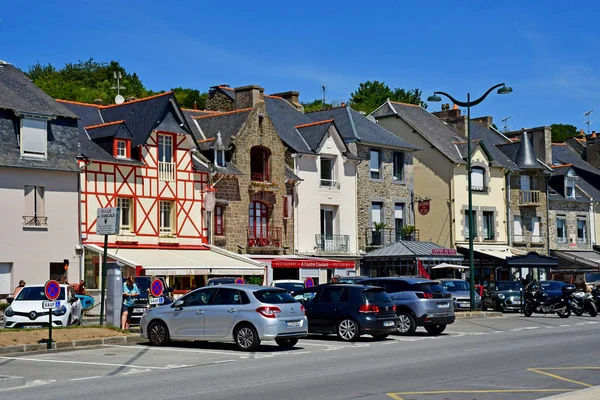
465 305
388 323
139 310
443 305
33 326
293 323
517 302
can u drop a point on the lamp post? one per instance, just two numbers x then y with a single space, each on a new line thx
503 89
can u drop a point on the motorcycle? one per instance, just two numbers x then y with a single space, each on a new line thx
596 295
537 301
582 302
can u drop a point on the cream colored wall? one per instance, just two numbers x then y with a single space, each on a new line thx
494 198
432 177
597 224
311 196
32 249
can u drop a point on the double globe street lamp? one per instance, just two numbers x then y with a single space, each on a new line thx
503 89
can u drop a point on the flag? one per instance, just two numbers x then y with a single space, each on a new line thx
422 270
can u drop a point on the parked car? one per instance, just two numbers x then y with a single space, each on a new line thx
141 302
351 279
349 311
583 279
244 314
502 296
419 302
461 293
223 281
292 286
26 309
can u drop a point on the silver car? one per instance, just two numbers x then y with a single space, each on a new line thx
244 314
461 293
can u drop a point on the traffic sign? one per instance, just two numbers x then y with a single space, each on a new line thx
48 305
156 288
156 300
107 221
309 282
52 290
239 281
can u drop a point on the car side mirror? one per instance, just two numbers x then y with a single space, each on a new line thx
73 300
178 304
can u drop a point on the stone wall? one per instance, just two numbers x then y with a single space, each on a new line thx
570 211
538 182
384 190
219 102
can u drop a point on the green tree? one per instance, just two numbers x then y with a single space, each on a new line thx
409 96
371 95
186 97
317 105
560 132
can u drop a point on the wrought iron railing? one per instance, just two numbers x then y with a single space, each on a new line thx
166 171
330 183
264 237
259 176
34 220
386 236
531 197
333 243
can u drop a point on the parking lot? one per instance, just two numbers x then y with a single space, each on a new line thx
99 365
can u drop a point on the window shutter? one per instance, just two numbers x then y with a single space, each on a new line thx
477 178
287 207
34 137
39 201
29 210
5 278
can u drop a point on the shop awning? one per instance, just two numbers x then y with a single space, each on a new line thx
578 258
449 266
306 262
499 251
212 261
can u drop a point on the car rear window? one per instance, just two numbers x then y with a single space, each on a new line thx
428 287
289 286
375 296
36 293
273 296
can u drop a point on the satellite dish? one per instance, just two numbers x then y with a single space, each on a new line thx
119 99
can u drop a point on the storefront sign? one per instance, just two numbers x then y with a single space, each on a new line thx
443 252
424 206
311 264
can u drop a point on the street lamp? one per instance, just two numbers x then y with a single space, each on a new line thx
503 89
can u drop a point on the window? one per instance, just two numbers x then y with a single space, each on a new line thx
581 231
34 138
126 211
219 220
258 219
34 213
165 148
288 207
327 176
376 213
375 164
121 148
570 184
399 220
488 225
561 234
219 158
467 225
518 228
534 228
226 297
478 179
166 217
334 295
525 182
398 166
199 297
259 164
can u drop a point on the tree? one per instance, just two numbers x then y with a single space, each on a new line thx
560 132
371 95
186 97
317 105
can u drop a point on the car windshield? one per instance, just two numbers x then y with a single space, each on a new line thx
143 283
456 286
273 296
36 293
552 285
592 277
223 281
508 286
290 286
374 296
353 279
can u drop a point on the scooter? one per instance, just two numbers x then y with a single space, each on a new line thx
537 301
582 302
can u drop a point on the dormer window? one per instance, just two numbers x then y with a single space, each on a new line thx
478 179
219 158
34 138
122 148
570 184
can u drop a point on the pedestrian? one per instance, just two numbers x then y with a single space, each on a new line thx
19 288
130 292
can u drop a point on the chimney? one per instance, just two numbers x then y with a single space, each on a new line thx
248 96
447 112
98 101
593 135
293 98
487 121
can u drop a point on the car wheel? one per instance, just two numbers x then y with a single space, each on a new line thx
564 314
158 333
246 338
435 329
380 337
406 324
286 343
348 330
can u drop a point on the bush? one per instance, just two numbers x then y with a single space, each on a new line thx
3 306
255 280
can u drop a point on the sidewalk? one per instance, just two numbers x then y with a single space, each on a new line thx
592 393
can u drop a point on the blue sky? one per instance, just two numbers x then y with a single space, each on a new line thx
546 50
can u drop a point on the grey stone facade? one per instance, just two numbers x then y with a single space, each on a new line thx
219 101
571 212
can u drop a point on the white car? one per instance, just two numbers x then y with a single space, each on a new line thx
293 286
26 309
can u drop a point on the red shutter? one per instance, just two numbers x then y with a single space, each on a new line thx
288 208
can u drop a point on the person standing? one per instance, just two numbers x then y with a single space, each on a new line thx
130 292
19 288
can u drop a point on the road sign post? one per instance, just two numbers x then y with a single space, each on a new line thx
52 292
107 223
309 282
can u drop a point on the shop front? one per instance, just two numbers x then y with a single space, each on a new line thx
321 270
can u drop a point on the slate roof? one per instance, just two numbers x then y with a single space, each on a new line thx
228 123
353 126
313 133
117 129
89 113
491 140
406 248
19 94
285 117
441 135
290 175
564 154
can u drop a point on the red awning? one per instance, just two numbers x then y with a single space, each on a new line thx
311 263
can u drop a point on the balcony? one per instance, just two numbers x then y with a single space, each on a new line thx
259 176
329 183
34 220
529 197
265 237
388 236
332 243
166 171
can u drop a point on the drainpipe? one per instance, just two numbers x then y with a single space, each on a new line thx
547 216
80 251
508 214
593 205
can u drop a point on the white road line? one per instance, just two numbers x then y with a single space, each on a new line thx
86 378
78 362
171 349
341 346
222 361
564 326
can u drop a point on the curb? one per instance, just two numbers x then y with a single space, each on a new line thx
7 382
581 394
478 314
26 348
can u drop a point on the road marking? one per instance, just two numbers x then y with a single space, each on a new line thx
171 349
79 362
539 371
337 345
397 397
222 361
86 378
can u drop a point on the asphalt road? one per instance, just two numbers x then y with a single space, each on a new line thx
492 358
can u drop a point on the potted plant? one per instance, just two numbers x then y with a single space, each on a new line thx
376 238
407 232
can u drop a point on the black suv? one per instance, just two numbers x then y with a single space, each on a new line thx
502 296
141 302
419 302
349 311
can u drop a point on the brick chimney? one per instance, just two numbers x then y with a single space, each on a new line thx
487 121
293 98
248 96
541 139
453 118
447 112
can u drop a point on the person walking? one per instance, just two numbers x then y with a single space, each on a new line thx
130 292
19 288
